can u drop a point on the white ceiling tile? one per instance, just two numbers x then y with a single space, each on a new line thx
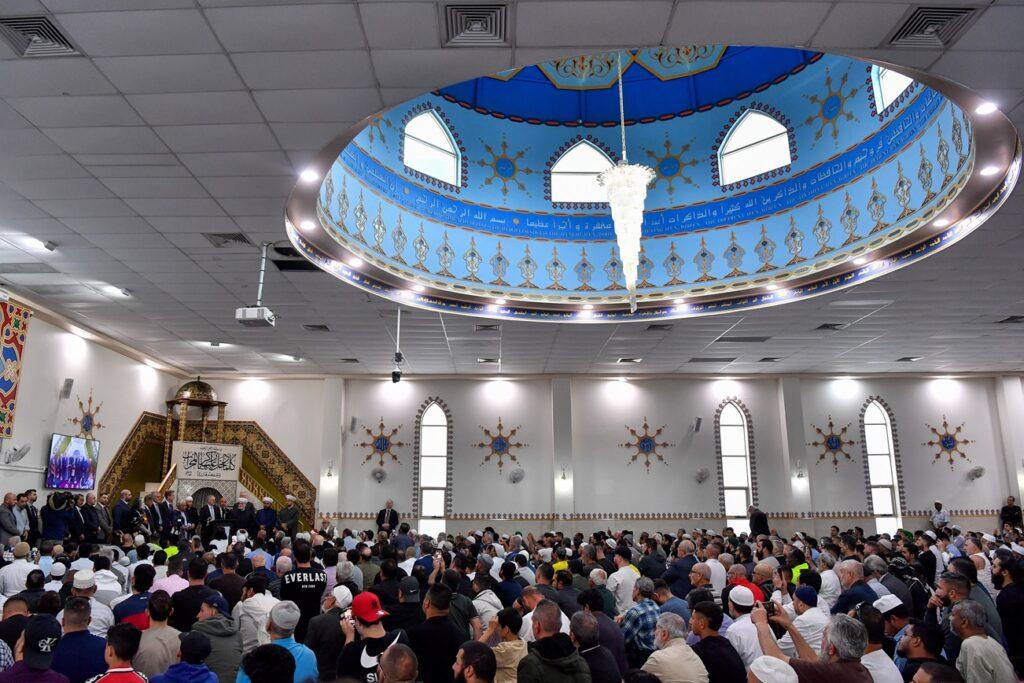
401 24
393 96
155 187
175 207
314 27
266 186
283 70
252 207
433 68
195 108
248 137
42 77
237 163
10 118
62 188
584 22
169 73
23 142
125 159
294 106
164 171
988 69
997 26
57 6
114 139
306 135
74 208
153 32
85 110
855 24
214 223
94 226
11 209
743 23
48 166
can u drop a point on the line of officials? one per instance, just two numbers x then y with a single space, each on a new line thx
83 517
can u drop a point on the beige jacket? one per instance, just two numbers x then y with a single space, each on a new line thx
508 654
676 663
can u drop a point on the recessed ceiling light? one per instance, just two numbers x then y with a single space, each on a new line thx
989 170
588 307
621 379
309 176
307 225
355 262
491 308
152 363
111 290
679 301
859 261
941 222
500 302
418 288
630 360
986 108
33 243
772 288
215 344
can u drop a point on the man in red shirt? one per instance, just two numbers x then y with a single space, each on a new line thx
122 644
738 577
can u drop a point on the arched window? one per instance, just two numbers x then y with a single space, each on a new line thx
887 85
736 481
432 469
429 148
574 175
757 143
882 475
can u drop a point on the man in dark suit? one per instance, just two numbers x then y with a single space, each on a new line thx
191 516
91 519
156 518
78 519
242 516
33 517
677 576
758 522
103 517
122 513
387 519
208 515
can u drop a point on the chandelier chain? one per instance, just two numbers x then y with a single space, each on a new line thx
622 113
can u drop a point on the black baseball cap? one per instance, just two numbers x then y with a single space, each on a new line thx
42 632
195 647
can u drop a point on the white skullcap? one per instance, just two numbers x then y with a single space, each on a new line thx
268 499
931 534
988 537
1017 548
771 670
886 603
290 497
545 554
742 596
242 499
610 542
342 596
139 540
188 499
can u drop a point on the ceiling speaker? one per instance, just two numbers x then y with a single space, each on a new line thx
698 421
65 390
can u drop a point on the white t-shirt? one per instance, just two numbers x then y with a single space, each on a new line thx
102 618
621 586
526 632
743 636
881 667
718 575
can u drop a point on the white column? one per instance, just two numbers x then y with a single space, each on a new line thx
331 444
791 412
561 415
1010 409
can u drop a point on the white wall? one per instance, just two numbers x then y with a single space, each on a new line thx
124 386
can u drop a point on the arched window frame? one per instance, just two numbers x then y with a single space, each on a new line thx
739 522
569 145
728 129
897 488
461 164
417 488
880 108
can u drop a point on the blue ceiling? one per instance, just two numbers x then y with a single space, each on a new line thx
568 92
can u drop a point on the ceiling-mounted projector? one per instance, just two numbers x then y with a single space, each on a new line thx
258 315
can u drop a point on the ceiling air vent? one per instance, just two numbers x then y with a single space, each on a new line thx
489 361
933 27
736 339
35 37
1011 320
348 361
487 328
630 360
26 268
769 359
227 239
476 25
316 327
659 327
296 266
909 359
830 327
702 359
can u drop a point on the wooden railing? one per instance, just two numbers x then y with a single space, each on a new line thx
168 479
249 482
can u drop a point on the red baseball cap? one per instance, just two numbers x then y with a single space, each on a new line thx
366 607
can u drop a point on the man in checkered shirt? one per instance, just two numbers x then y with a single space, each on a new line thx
638 623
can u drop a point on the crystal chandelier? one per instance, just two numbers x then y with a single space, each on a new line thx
627 188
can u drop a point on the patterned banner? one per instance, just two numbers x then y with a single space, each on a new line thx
12 350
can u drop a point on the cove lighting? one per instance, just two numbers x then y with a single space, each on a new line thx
679 302
309 176
355 262
153 364
941 223
588 307
111 290
418 288
307 225
772 288
989 170
986 108
37 244
859 261
500 302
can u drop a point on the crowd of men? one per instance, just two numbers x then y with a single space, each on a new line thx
225 593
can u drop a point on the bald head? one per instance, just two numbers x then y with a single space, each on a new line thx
737 571
398 664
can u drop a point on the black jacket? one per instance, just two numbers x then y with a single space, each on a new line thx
92 523
436 643
759 524
325 639
553 660
386 516
603 668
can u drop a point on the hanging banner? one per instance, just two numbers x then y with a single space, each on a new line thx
196 460
13 328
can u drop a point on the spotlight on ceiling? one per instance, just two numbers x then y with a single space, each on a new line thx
989 170
588 307
500 302
111 290
309 176
986 108
396 376
355 262
491 308
307 225
772 288
859 261
679 302
418 288
941 222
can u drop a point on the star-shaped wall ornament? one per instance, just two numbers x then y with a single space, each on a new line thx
948 441
382 443
832 443
645 444
500 444
87 421
831 107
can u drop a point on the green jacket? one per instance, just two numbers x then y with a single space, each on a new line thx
553 660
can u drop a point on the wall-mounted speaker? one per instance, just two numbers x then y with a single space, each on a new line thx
65 390
697 422
352 424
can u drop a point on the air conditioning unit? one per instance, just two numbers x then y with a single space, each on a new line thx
255 316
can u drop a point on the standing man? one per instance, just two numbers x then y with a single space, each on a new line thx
387 519
208 515
758 522
122 513
1010 514
288 517
20 510
191 515
103 517
9 534
941 518
33 517
304 586
91 519
266 518
242 517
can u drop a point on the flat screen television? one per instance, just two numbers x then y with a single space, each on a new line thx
72 463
